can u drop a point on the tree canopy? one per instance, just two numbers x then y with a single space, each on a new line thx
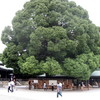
52 37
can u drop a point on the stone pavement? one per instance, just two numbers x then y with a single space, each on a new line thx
25 94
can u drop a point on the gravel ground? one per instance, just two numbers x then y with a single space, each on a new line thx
25 94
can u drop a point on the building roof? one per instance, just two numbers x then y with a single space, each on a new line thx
55 76
3 67
96 73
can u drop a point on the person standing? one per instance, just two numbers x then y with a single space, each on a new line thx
82 86
45 86
52 86
30 84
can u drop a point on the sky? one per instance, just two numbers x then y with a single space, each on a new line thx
8 8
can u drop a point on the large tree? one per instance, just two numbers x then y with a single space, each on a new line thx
54 33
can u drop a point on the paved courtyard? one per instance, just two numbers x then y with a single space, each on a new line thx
25 94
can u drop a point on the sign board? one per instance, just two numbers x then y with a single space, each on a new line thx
35 81
53 81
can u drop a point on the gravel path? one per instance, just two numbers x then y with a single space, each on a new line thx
25 94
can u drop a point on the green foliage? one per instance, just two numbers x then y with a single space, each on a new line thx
52 67
48 42
30 66
91 60
57 35
7 35
0 57
76 69
10 57
83 44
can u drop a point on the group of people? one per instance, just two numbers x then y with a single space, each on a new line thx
59 87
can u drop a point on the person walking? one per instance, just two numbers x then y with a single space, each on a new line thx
12 85
59 91
60 86
9 86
